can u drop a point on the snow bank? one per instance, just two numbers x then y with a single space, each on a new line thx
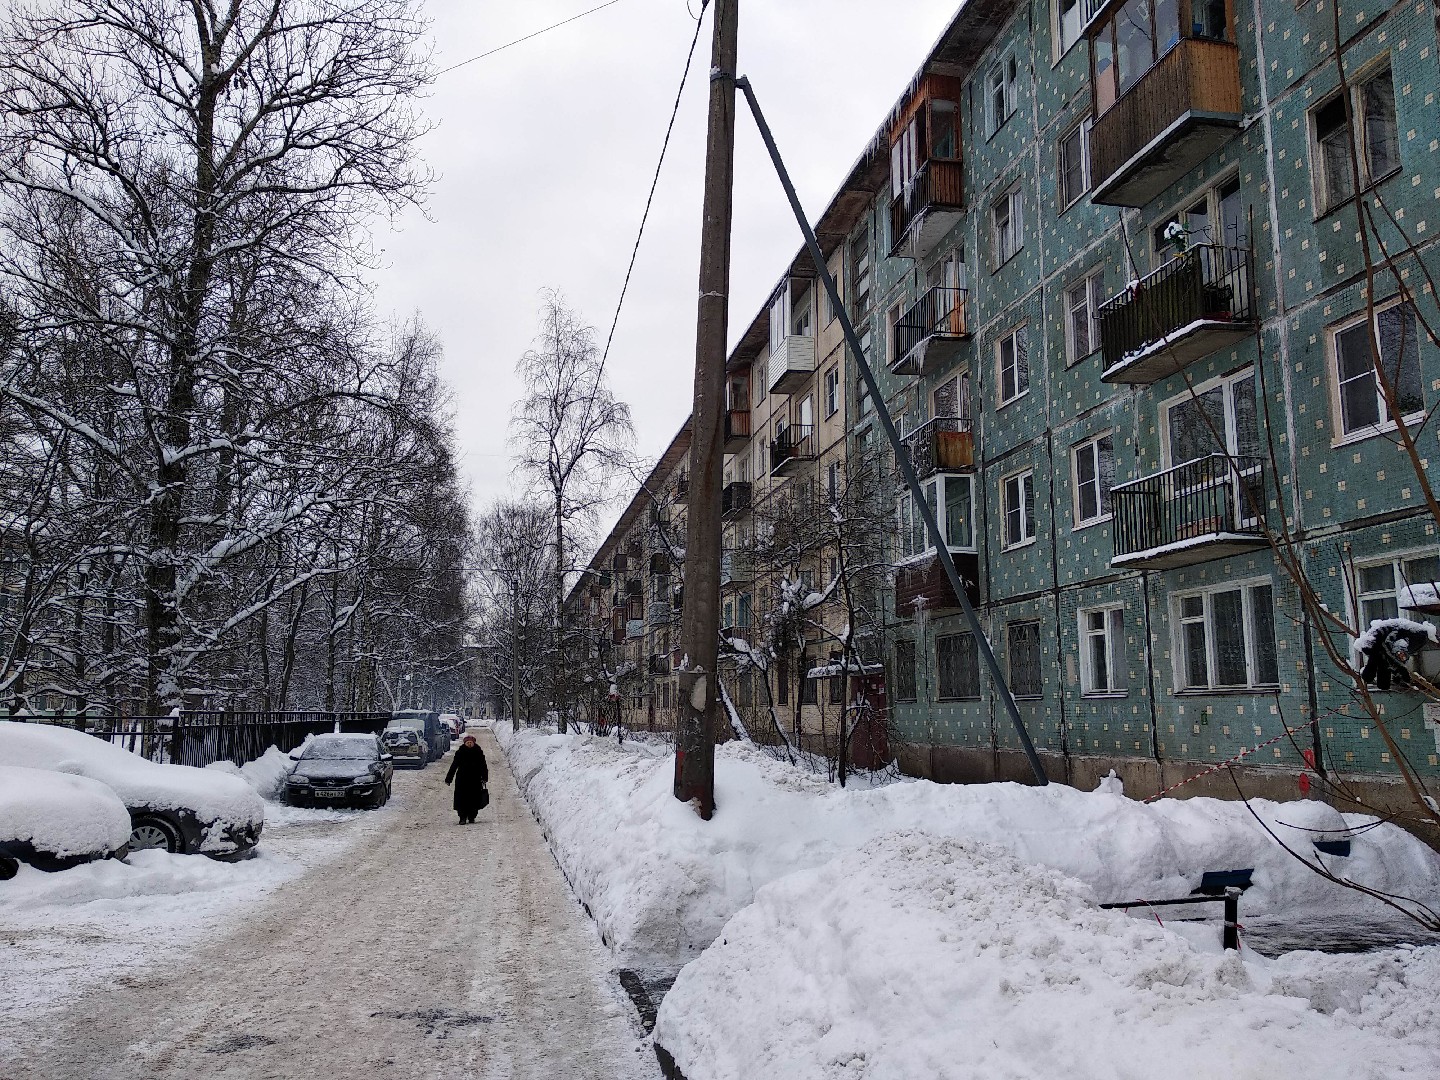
151 874
266 774
661 884
209 793
917 956
65 816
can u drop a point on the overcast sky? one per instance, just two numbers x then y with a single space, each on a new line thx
544 154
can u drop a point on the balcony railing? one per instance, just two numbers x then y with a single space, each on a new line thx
1204 509
1198 302
945 444
682 488
938 185
1176 114
737 430
659 663
929 335
660 612
795 444
791 363
735 499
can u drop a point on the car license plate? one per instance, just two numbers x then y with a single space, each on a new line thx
331 793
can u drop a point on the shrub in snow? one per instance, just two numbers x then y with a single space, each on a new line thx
917 956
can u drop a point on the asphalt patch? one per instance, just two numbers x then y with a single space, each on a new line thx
439 1022
235 1043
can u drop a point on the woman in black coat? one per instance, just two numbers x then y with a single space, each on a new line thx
469 771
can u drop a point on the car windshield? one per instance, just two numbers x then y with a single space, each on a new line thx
340 750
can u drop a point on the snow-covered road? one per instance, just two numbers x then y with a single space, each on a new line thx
426 949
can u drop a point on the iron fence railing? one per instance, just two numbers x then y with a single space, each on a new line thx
735 498
1214 494
940 310
936 183
945 443
795 443
1204 283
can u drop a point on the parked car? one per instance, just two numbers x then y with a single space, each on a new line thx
175 807
340 770
427 723
456 725
53 821
406 746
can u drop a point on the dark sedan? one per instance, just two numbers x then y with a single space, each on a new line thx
340 770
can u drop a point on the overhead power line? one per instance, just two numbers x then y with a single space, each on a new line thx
527 37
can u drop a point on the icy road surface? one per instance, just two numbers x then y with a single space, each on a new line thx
425 949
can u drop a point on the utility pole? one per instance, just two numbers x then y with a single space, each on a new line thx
700 626
515 653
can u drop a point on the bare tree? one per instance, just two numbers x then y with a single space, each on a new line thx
572 436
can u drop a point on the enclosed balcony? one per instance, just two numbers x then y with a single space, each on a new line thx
635 628
792 363
1198 302
930 335
737 431
735 499
1165 80
660 664
1206 509
793 445
926 176
923 585
736 567
660 612
945 444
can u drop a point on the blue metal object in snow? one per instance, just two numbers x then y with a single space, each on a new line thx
1215 882
1333 847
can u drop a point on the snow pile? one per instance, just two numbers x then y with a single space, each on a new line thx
661 883
917 956
149 874
267 773
1422 595
1380 627
60 815
209 793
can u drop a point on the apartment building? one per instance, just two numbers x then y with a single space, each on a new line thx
1107 260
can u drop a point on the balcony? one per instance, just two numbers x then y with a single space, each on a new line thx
617 632
1177 114
791 364
924 585
1206 509
930 205
736 568
739 628
682 489
659 664
634 628
661 612
735 499
945 444
793 445
737 430
930 335
1198 302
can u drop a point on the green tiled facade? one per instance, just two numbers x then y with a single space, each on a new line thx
1347 500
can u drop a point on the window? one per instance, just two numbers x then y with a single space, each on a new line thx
944 131
1102 651
1069 18
1214 419
1226 638
1082 316
745 696
956 493
1074 155
832 485
957 663
1094 471
800 313
1372 118
897 347
836 267
1379 587
1012 355
782 685
905 689
1360 402
1019 499
1008 227
1001 92
832 391
837 689
1023 649
809 688
860 274
1132 36
863 404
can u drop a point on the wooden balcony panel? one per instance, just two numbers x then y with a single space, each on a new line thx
1178 113
924 585
737 431
928 209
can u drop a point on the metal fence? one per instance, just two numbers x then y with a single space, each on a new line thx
201 738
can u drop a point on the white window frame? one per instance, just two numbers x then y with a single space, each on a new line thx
1326 199
1024 508
832 390
1068 199
1231 436
1093 287
1083 10
1002 82
1332 347
1014 337
1248 620
1398 579
912 540
1102 493
1111 633
1007 235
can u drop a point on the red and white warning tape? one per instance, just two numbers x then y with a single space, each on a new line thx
1228 762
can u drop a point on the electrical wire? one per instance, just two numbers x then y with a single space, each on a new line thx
527 37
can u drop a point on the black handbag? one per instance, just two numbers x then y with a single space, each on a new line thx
484 796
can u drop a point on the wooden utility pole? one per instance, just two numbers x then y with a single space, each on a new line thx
700 626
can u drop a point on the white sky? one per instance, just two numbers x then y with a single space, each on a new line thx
545 153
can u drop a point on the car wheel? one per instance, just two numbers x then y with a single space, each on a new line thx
8 867
154 832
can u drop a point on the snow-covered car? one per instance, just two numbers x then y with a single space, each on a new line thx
53 821
338 770
406 746
175 807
